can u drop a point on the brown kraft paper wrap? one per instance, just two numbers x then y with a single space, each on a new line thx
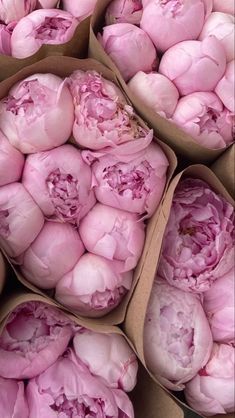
147 402
136 312
181 142
224 168
2 272
76 47
63 67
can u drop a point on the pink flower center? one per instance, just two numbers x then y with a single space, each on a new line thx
209 120
137 5
64 193
52 28
172 7
133 181
81 407
4 226
108 298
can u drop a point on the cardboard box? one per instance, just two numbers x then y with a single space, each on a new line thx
224 168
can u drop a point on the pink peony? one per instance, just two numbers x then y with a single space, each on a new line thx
14 10
102 116
94 287
225 87
80 8
114 234
37 114
13 402
203 116
221 25
20 219
218 304
60 183
44 26
11 162
177 336
33 338
68 389
201 227
212 390
124 11
5 38
130 178
156 91
54 253
194 65
107 356
130 48
225 6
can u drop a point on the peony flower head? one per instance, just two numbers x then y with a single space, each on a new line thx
114 234
124 11
14 10
130 48
156 91
225 87
211 391
37 114
44 26
13 402
94 286
11 162
130 178
102 116
54 253
201 227
67 388
218 303
34 336
224 6
177 336
20 219
203 115
80 9
60 183
168 22
194 65
5 38
107 356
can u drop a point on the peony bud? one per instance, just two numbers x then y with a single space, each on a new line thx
194 65
130 48
124 11
13 403
94 287
54 253
20 219
107 356
37 114
177 336
225 87
11 162
156 91
14 10
60 183
203 116
80 9
225 6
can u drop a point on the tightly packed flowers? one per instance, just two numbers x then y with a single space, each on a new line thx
54 198
194 40
49 367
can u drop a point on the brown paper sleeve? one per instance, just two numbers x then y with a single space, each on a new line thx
224 168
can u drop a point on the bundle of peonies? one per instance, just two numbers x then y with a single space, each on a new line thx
35 344
192 300
193 43
49 198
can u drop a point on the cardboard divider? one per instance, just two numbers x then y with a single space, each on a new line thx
181 142
136 312
224 168
63 67
77 47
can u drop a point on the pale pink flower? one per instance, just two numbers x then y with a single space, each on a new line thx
37 114
94 286
114 234
225 6
226 86
211 391
204 116
124 11
60 183
14 10
11 162
194 65
54 253
80 8
20 219
177 336
130 48
5 38
13 402
33 338
202 230
43 26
